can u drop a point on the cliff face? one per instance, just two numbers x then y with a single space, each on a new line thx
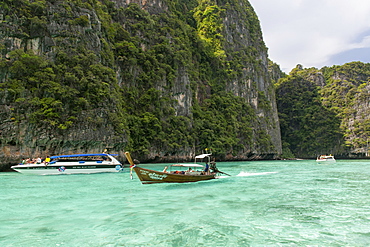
326 110
347 93
163 79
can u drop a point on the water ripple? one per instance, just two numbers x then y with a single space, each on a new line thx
267 203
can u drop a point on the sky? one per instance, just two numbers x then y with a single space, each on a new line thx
315 33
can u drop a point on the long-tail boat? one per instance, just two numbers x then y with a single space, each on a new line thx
177 173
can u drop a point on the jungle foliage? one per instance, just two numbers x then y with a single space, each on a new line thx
54 90
324 111
347 93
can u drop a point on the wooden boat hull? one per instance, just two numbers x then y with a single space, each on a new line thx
148 176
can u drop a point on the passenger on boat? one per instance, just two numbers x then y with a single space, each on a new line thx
206 170
165 169
213 165
38 160
30 161
47 160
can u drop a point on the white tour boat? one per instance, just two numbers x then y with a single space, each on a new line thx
325 159
72 164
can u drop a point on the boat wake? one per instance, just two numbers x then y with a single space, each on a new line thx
247 174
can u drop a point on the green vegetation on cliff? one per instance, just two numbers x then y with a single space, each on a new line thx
326 110
142 80
347 93
307 127
53 95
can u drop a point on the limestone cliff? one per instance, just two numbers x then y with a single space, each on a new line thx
326 111
163 79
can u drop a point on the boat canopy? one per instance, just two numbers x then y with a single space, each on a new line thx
187 165
201 156
80 155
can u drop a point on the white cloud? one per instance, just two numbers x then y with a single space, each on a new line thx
311 32
365 43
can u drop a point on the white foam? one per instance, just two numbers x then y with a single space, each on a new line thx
246 174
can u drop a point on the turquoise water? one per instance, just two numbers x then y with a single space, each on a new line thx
263 203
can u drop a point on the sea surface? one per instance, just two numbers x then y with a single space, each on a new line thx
262 203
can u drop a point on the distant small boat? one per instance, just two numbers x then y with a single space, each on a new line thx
73 164
177 173
325 159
